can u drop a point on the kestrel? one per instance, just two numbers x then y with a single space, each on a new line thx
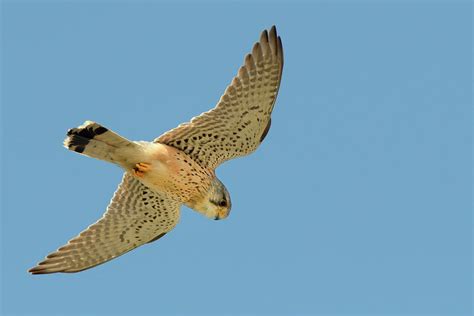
176 168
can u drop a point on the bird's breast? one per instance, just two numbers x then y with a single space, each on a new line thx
174 172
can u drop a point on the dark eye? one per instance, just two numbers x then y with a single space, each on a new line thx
222 203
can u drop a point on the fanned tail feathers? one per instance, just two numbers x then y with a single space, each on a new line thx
96 141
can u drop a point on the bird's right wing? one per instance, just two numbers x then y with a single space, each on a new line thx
135 216
241 119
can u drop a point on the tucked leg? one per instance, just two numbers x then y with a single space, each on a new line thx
140 169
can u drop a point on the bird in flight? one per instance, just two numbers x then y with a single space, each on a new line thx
176 168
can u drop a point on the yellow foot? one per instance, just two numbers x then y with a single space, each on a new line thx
140 169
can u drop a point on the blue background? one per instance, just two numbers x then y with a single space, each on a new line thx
359 202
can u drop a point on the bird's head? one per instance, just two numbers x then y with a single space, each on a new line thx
215 204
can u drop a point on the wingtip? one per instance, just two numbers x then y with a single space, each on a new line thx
257 52
268 35
40 268
280 50
37 270
249 62
264 36
273 31
46 268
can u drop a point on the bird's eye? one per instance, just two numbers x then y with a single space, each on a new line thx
222 203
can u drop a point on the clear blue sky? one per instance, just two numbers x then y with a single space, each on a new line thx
359 202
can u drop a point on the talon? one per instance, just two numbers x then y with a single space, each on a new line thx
140 169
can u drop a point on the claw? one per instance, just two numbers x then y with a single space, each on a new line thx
140 169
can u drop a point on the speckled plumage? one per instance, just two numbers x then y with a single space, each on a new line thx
177 168
135 215
241 119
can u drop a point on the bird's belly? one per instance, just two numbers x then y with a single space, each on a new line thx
174 173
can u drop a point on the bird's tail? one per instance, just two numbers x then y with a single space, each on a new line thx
94 140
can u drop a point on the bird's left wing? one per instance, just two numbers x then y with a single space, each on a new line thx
135 216
241 119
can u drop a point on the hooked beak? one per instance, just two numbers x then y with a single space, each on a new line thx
221 214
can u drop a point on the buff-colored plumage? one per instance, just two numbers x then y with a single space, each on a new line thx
241 119
136 215
177 168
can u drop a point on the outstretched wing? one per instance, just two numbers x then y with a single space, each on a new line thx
241 119
136 215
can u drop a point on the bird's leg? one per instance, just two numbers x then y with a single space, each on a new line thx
140 169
